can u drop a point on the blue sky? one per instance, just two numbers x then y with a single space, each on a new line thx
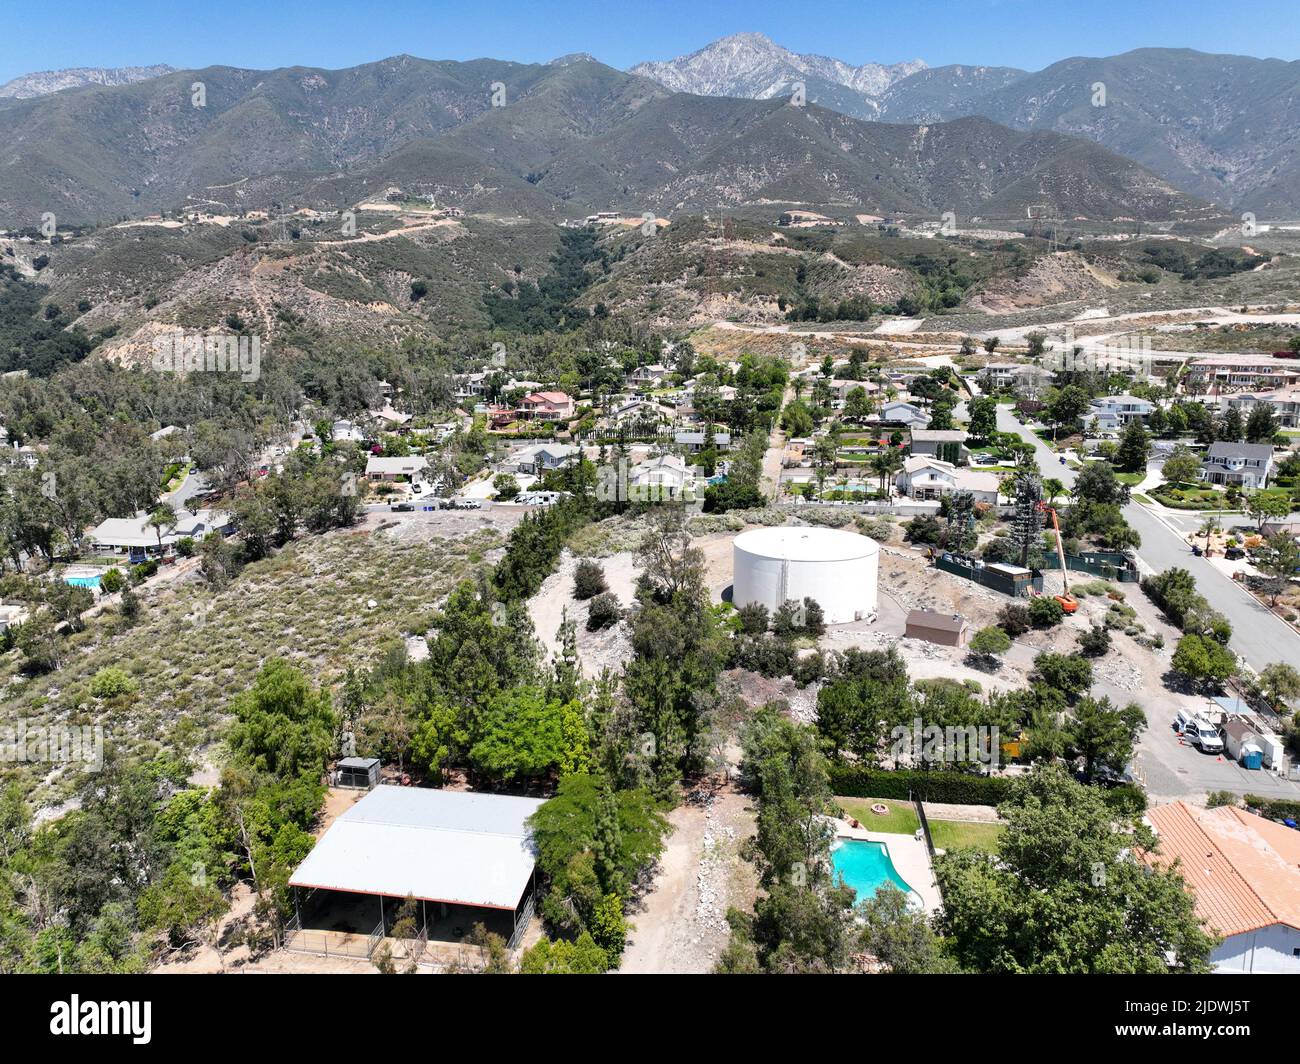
49 34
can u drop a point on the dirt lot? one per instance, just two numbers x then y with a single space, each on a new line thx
680 926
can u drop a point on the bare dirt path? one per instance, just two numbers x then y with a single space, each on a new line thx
681 925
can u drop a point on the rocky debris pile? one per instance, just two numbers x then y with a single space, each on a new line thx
1119 673
711 902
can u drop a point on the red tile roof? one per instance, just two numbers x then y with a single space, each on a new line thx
1244 870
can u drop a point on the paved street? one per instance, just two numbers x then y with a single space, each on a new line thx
1258 636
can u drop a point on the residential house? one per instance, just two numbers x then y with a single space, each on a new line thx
1224 373
948 444
695 440
1284 403
999 376
1245 464
390 419
136 537
546 406
1243 872
639 413
413 467
1113 413
541 458
472 385
649 376
346 432
923 477
667 476
898 412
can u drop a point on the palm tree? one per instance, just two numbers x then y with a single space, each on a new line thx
884 464
1208 527
160 518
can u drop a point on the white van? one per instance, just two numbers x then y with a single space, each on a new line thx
1199 732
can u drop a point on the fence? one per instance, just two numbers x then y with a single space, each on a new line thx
1014 585
522 921
1109 566
331 943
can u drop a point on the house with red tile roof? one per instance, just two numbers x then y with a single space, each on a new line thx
1244 872
546 406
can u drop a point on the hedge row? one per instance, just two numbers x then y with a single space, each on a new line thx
1278 809
957 788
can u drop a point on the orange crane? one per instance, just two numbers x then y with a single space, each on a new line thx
1068 602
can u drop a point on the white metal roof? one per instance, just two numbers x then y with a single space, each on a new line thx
137 532
800 544
458 847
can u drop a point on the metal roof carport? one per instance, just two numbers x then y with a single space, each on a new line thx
454 847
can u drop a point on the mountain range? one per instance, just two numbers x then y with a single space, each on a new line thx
570 137
45 82
1222 127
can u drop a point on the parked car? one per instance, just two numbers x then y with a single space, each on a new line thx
402 508
1199 732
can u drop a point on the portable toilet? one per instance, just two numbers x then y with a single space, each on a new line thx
1251 756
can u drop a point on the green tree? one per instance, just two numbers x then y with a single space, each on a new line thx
524 735
1204 660
1279 558
283 726
1181 467
1103 735
1265 506
900 937
580 957
1061 896
1134 448
1280 683
989 644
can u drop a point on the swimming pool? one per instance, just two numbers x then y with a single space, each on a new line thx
866 867
91 582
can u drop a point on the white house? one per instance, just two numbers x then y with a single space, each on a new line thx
667 476
346 431
136 536
923 477
898 412
1283 403
935 442
1245 464
648 376
1244 873
542 457
412 466
1110 413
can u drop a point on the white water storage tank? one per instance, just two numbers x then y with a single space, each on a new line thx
836 568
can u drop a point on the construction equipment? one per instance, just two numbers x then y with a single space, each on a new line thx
1068 602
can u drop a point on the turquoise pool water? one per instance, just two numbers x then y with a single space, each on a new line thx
866 867
91 582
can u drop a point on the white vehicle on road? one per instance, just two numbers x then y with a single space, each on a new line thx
1200 733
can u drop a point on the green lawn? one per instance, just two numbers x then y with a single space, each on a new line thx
900 820
955 834
1130 479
